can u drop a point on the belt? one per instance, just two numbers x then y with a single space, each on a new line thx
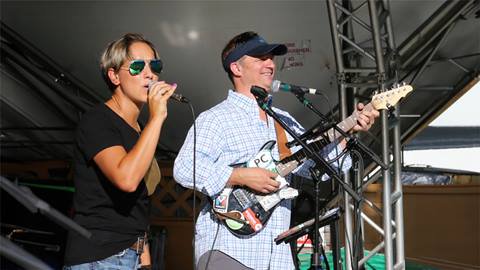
139 244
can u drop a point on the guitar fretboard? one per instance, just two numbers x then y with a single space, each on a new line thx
289 163
347 124
301 154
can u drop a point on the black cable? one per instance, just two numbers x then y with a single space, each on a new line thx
213 244
194 179
340 166
347 245
325 260
360 168
358 227
347 241
195 192
339 157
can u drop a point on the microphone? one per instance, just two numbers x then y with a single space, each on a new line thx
175 96
258 92
295 89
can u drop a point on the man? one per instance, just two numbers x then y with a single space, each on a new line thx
230 133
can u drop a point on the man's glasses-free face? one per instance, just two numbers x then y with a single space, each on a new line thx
137 66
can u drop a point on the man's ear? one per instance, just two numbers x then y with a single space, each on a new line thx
236 69
113 76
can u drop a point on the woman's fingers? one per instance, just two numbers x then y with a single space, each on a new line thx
162 89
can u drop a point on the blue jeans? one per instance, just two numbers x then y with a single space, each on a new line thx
127 259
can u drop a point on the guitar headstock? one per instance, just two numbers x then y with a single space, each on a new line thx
389 98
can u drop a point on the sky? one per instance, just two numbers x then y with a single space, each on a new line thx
464 112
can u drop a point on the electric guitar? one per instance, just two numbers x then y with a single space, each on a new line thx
245 212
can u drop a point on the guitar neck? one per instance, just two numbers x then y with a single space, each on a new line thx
302 153
383 100
288 164
346 125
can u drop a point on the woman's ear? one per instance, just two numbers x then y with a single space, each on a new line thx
113 76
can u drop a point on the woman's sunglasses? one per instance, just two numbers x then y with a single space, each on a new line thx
136 66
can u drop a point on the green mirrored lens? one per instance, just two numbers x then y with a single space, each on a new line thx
136 67
156 65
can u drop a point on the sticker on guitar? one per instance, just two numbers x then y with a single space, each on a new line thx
245 212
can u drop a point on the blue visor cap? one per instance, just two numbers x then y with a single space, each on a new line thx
254 47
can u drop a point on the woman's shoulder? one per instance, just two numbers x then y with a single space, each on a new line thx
99 113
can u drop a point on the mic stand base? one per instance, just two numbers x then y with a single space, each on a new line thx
316 238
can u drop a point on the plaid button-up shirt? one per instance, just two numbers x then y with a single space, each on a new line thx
231 133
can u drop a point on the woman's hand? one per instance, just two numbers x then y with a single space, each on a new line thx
158 96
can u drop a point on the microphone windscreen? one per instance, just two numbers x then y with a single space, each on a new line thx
276 86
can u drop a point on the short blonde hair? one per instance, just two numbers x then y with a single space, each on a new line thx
117 52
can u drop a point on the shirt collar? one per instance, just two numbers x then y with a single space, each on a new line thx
249 105
243 102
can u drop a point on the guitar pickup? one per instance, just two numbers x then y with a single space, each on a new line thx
244 198
288 193
268 201
271 200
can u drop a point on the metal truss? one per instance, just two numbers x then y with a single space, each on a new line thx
365 56
368 60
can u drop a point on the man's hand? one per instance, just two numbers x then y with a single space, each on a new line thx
365 118
258 179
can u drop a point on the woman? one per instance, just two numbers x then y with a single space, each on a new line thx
113 155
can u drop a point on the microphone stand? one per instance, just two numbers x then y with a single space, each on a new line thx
261 96
352 143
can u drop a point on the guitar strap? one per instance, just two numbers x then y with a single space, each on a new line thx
152 177
283 150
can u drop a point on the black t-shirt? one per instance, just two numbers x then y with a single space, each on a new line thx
114 217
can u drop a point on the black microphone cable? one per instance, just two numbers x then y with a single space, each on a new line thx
194 213
194 210
213 245
194 220
351 244
339 157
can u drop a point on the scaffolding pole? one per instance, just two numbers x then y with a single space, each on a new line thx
353 74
